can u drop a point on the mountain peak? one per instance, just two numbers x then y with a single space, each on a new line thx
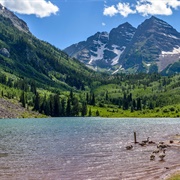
154 21
153 17
154 45
126 24
18 23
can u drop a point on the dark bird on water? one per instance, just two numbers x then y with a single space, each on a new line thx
129 147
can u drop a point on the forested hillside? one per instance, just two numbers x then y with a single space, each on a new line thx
138 95
43 79
25 56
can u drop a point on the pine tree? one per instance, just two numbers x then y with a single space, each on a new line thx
93 100
90 112
75 108
87 98
47 109
68 108
37 102
139 106
51 103
42 107
57 106
97 113
134 104
23 99
125 102
71 95
63 110
33 87
84 109
107 96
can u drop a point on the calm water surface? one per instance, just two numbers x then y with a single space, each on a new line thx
83 148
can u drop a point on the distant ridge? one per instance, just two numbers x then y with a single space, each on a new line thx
153 47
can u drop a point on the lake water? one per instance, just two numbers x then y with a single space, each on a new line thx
84 148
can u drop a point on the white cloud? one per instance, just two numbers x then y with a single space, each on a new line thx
103 24
152 7
143 7
110 11
40 8
124 9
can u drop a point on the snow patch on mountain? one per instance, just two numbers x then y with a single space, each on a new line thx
168 57
105 34
148 64
129 34
120 68
99 53
174 51
118 52
169 35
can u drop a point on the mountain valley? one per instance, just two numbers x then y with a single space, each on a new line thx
44 79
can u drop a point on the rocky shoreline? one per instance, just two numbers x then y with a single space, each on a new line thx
13 109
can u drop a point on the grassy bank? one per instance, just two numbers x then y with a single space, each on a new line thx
175 176
114 111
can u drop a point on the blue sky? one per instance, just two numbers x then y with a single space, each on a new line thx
65 22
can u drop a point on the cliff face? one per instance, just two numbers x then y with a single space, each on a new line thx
18 23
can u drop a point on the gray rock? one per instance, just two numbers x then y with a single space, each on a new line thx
4 52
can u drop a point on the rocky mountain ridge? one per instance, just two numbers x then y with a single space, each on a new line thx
153 47
103 49
18 23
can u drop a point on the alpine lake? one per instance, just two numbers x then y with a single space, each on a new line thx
85 148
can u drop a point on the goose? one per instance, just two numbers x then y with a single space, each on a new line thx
161 142
151 142
152 157
156 151
142 143
162 146
129 147
171 141
162 156
146 141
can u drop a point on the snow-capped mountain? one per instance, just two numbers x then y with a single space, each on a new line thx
103 50
153 47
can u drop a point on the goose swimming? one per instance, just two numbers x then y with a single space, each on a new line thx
162 156
156 151
142 143
152 157
146 141
129 147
